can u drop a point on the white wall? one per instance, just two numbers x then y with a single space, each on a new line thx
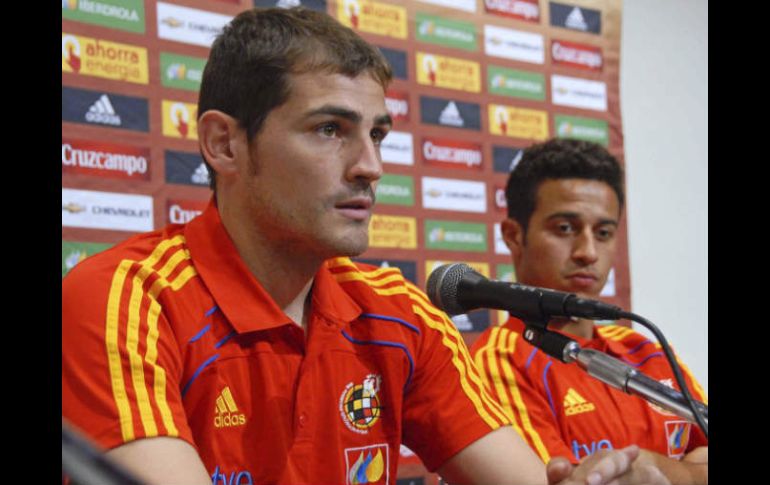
664 104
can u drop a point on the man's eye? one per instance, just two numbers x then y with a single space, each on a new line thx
328 129
564 227
378 135
605 234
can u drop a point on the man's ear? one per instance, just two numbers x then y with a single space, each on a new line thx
513 235
218 136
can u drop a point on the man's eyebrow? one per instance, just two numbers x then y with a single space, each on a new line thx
348 114
575 215
383 120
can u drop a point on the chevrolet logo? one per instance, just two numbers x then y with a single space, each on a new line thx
172 22
73 208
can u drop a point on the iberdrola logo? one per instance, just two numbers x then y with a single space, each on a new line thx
565 129
176 71
498 81
70 51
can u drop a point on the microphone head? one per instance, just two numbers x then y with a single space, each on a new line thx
442 287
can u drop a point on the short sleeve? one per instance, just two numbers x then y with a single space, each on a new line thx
530 413
446 406
121 364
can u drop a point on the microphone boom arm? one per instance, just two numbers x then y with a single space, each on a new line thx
612 372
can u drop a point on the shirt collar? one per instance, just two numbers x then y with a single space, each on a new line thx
238 294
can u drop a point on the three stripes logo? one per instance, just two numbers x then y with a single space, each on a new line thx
103 112
574 403
226 411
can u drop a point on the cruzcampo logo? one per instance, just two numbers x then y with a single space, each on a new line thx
182 72
116 14
395 190
450 33
73 252
588 129
515 83
455 236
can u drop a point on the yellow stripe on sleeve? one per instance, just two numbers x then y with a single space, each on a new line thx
135 359
509 348
113 352
493 379
466 387
609 331
356 276
112 326
461 357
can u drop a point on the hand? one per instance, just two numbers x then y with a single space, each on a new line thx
605 468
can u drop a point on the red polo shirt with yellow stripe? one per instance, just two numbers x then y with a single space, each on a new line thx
169 334
560 410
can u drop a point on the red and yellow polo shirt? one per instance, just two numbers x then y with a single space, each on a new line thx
169 334
560 410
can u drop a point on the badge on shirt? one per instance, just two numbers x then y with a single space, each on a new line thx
360 404
367 464
678 437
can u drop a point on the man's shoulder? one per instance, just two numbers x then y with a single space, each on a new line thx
503 339
382 290
625 339
97 271
360 279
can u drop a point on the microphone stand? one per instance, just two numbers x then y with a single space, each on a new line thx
610 370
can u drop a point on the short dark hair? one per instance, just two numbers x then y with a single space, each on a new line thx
555 159
247 72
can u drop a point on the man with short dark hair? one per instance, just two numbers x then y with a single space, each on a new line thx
245 346
565 199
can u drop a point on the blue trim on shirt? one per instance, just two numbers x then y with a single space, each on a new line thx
548 389
636 349
208 313
222 342
531 356
198 371
654 354
200 334
392 319
385 343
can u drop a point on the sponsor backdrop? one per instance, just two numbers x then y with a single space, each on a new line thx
475 82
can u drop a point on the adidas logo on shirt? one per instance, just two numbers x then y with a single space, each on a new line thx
226 411
574 403
103 112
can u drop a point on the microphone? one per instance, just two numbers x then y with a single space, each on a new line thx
456 288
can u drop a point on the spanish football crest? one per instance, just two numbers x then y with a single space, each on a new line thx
360 404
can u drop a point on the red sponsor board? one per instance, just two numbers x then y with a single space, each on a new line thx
500 203
577 55
397 104
440 152
528 10
183 211
102 159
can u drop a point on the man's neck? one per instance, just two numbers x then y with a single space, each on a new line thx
285 273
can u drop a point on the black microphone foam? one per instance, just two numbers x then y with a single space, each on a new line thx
443 284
